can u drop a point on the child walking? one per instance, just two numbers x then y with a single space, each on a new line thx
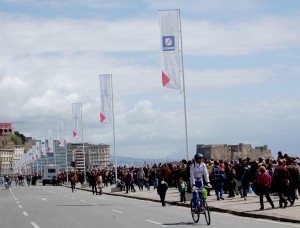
182 189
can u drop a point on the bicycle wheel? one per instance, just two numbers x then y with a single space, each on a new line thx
195 214
206 213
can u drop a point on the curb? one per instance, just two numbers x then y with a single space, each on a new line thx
214 209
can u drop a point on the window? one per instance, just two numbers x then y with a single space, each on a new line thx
51 170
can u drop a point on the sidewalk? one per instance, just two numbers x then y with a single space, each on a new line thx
236 205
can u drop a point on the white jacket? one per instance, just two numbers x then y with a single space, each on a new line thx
197 171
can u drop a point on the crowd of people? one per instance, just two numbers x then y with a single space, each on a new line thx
266 177
234 178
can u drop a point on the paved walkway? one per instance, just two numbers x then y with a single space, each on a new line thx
236 205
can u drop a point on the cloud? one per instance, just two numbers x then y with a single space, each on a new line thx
89 4
261 34
228 77
212 6
46 64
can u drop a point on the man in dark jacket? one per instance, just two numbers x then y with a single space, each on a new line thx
294 179
93 182
281 179
162 190
219 178
245 180
229 182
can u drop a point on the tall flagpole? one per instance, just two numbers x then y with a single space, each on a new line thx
83 151
107 101
66 161
183 84
114 134
172 62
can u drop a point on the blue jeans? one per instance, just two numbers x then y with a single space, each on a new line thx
196 194
155 183
219 189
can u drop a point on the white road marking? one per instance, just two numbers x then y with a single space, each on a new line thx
34 225
20 206
44 199
157 223
73 198
120 212
82 201
25 213
17 202
98 197
16 199
261 220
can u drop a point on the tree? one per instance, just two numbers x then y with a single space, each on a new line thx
21 136
16 139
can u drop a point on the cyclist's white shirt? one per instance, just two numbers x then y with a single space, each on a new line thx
197 171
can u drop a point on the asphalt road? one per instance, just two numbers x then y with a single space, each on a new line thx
58 207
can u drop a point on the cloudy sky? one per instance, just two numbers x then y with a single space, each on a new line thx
241 61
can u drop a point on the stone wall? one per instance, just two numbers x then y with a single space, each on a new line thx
233 152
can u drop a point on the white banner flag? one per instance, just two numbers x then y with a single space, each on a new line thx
50 141
30 155
61 133
169 30
76 117
106 98
38 150
33 147
43 146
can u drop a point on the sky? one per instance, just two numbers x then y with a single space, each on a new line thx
241 66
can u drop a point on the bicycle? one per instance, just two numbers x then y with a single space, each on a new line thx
202 206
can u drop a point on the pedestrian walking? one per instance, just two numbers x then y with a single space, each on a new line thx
245 180
219 178
140 178
281 179
264 182
99 183
162 191
73 180
182 187
93 182
293 180
129 181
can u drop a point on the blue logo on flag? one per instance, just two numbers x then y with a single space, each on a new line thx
168 43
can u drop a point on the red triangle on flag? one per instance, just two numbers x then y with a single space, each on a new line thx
102 117
58 143
165 79
48 149
74 134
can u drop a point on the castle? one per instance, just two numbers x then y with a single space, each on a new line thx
233 152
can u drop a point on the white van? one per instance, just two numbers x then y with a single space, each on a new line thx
50 174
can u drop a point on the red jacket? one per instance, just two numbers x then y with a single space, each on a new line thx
264 179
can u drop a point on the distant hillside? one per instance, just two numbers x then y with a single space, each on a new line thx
137 162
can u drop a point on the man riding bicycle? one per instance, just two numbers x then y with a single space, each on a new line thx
198 170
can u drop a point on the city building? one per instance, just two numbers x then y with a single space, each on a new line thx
19 151
57 157
99 156
6 160
96 156
6 129
233 152
9 157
